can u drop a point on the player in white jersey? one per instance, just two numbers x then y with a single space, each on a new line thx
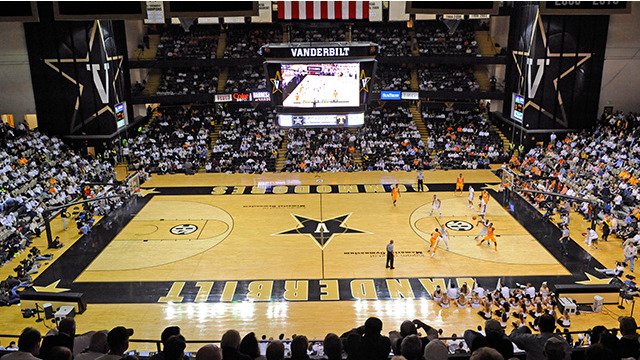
435 205
471 193
485 229
444 235
483 207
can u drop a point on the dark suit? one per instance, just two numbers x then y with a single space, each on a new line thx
51 341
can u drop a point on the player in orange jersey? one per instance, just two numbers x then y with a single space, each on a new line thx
434 242
459 185
490 236
485 196
395 192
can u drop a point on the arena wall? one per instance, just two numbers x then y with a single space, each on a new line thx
16 96
621 74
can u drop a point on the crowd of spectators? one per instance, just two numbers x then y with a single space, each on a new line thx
447 77
245 41
200 42
392 77
184 81
245 78
462 139
394 39
38 172
434 39
248 141
177 140
328 149
389 140
599 166
413 340
304 34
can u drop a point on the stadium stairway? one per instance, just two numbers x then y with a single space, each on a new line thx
414 79
417 119
486 44
414 43
222 80
504 139
357 155
482 77
153 81
150 53
222 45
282 154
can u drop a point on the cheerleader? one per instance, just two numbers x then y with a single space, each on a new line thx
564 320
461 301
437 294
464 290
444 302
486 312
475 301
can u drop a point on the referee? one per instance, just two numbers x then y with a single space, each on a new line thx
390 255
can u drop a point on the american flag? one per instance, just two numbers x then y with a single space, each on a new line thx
323 10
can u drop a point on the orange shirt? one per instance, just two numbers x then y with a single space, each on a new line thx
434 237
490 231
460 180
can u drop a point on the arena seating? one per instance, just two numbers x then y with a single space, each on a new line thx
201 42
394 39
248 141
462 139
390 141
183 81
434 39
245 78
310 150
601 166
392 77
446 77
245 41
305 34
175 141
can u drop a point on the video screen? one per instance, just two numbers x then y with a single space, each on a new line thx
321 85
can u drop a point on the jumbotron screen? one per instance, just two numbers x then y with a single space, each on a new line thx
321 85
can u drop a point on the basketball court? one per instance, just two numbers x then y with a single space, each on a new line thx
273 253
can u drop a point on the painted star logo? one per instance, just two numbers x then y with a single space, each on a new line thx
322 231
364 81
96 67
539 59
277 82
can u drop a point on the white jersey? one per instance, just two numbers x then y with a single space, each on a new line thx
436 203
485 228
471 193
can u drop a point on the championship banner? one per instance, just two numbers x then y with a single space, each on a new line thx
323 10
78 74
555 63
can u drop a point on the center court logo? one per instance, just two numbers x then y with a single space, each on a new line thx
322 231
183 229
458 225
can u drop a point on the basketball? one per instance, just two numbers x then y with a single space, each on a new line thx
474 218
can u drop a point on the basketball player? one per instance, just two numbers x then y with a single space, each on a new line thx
485 196
471 193
444 235
435 205
490 236
485 229
434 242
483 207
459 185
395 192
